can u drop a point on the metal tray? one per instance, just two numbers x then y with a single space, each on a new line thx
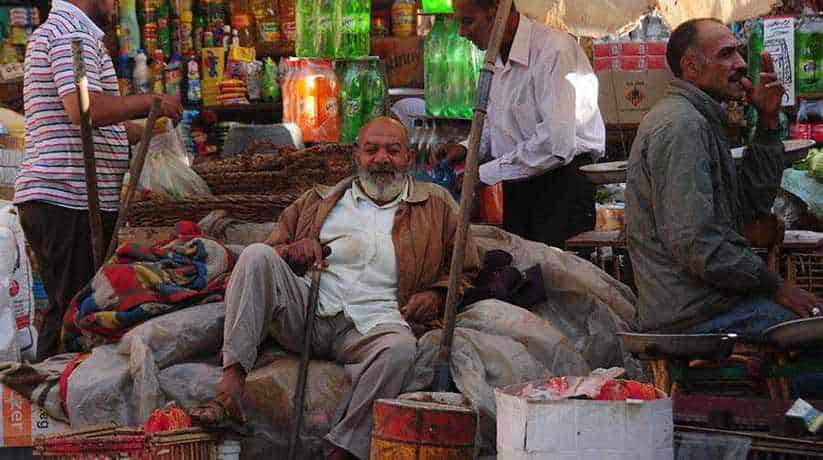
798 333
685 346
606 173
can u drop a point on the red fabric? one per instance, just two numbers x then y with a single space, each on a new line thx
64 379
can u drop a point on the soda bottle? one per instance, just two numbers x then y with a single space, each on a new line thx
270 90
438 7
432 60
198 30
287 90
352 101
356 24
306 26
807 51
454 81
328 92
129 28
157 71
163 29
328 28
141 74
193 93
755 48
376 91
174 76
267 18
242 20
186 32
124 75
404 18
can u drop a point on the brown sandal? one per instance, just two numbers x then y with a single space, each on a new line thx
216 415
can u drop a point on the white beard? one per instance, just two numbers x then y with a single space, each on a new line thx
382 190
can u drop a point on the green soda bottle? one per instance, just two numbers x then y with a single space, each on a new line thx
306 24
352 100
376 92
755 48
807 54
438 7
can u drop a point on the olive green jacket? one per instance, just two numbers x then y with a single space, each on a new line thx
686 205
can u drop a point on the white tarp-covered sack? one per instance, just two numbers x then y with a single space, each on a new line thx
598 18
17 300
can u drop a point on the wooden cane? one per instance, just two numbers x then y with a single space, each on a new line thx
89 162
442 372
135 172
305 356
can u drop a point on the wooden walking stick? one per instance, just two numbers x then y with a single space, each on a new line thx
135 172
305 356
89 162
442 372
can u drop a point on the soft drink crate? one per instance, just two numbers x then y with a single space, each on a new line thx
576 429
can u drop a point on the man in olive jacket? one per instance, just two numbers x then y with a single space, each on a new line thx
391 241
687 205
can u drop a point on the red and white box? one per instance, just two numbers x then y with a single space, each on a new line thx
633 63
632 49
656 62
656 48
606 63
605 50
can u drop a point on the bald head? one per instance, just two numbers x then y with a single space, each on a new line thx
384 127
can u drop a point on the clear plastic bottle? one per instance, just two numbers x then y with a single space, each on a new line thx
141 74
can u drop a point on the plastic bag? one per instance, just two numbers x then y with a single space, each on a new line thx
167 171
17 298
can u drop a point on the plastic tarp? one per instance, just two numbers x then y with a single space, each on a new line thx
805 187
598 18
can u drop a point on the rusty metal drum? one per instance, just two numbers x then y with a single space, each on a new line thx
424 426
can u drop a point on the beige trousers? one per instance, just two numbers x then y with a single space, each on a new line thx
265 297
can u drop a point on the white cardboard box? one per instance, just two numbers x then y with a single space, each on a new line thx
22 421
575 429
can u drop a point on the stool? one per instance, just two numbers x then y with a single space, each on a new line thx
803 260
735 368
599 240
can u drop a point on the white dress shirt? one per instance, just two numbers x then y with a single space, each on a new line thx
542 107
361 278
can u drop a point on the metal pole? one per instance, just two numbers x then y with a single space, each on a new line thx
442 372
134 173
89 163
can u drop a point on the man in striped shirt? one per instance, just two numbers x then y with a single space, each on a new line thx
50 190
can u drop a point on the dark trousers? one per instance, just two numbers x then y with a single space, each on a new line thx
61 241
552 207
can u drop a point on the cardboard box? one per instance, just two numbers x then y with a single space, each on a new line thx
632 48
23 421
604 50
626 97
656 48
606 63
656 63
576 429
404 60
633 63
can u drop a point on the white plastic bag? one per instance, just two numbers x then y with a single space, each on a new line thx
167 171
16 283
9 349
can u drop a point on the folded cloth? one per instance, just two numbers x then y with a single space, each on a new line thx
498 279
140 282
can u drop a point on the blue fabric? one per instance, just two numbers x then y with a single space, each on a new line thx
749 318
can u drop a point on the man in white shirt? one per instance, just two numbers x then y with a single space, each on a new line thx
391 240
543 123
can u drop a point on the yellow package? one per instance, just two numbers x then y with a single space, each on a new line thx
213 65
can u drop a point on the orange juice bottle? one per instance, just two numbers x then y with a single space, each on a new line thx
328 115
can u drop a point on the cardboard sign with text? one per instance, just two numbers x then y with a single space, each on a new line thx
626 97
23 421
404 60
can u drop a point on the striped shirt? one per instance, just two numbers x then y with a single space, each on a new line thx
53 169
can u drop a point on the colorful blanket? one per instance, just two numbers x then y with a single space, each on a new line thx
141 282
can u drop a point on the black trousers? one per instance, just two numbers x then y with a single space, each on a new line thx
552 207
61 241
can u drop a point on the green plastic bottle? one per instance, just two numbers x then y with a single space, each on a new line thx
755 48
438 7
807 49
352 101
163 29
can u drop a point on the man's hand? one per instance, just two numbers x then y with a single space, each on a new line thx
454 153
424 306
768 95
797 300
170 107
302 254
134 132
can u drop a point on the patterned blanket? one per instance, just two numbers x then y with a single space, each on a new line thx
141 282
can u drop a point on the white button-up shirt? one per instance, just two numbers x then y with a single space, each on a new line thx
361 278
542 108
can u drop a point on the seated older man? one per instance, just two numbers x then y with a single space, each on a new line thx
687 205
391 241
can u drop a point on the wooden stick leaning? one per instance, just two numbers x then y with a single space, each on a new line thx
89 161
135 172
442 371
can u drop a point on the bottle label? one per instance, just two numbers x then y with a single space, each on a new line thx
324 24
349 23
331 107
269 31
353 108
